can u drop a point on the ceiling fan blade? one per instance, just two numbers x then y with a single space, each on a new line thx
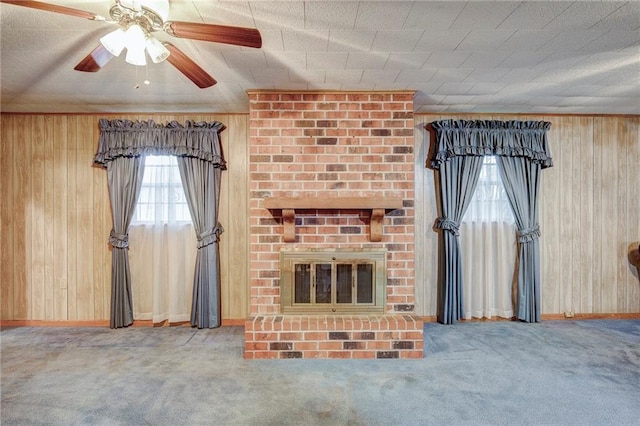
186 66
55 8
240 36
95 60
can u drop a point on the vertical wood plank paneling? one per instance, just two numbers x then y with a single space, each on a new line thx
577 225
633 211
598 223
426 241
49 278
565 166
420 134
610 216
29 207
60 214
584 251
226 239
84 285
551 221
47 152
621 230
73 219
21 192
84 154
101 228
7 219
624 226
36 218
234 200
223 218
88 294
241 281
426 210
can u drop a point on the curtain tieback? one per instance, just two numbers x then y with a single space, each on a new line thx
448 225
528 235
210 236
118 240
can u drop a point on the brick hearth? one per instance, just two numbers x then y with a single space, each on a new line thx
330 336
331 145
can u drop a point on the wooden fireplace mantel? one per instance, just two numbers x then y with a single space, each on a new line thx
289 205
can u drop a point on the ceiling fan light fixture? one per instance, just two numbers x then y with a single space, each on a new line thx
156 50
136 57
136 45
114 42
135 37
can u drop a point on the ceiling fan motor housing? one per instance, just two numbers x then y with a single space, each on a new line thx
159 7
148 19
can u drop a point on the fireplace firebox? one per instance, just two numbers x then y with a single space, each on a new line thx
333 281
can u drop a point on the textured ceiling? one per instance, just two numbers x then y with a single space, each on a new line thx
517 57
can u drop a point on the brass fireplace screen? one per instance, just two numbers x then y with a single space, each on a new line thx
333 281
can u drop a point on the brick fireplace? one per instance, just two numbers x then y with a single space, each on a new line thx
331 170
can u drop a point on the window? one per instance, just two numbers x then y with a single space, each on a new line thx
162 198
333 281
487 242
162 255
489 202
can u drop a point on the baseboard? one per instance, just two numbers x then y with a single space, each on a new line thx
105 323
234 322
43 323
555 317
549 317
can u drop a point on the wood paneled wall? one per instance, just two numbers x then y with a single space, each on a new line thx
55 262
55 217
589 214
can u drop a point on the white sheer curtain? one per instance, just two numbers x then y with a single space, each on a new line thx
162 250
488 244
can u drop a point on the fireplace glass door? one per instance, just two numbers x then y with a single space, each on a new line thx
333 281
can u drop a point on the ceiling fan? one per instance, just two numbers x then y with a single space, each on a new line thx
138 20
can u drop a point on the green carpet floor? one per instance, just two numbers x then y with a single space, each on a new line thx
493 373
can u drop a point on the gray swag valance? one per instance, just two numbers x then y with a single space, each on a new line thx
126 138
492 137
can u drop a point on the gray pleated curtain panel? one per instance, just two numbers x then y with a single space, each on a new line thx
459 178
522 151
201 182
121 150
521 179
124 178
